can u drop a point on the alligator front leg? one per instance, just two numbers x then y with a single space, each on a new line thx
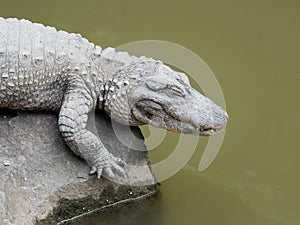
73 118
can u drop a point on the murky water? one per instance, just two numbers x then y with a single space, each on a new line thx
253 48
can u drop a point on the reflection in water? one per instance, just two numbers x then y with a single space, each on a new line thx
146 212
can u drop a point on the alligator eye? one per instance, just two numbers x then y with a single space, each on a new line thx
182 78
174 90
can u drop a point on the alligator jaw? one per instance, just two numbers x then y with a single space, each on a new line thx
208 131
155 114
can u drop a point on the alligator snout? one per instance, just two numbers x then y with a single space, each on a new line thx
207 117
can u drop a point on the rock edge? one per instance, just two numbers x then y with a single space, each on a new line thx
43 182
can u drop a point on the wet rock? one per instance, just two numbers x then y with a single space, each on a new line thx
43 182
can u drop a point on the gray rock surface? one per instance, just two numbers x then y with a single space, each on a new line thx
43 182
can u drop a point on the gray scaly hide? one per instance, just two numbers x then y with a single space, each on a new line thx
45 69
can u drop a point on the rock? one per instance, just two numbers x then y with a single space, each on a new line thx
43 182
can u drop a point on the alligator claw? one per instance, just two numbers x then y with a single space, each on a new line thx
93 170
109 169
109 173
99 173
119 170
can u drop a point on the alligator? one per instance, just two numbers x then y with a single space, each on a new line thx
45 69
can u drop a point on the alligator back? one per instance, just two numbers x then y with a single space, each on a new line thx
34 63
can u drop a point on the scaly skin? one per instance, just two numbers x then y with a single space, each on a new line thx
45 69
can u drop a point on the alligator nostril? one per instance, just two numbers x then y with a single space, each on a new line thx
220 116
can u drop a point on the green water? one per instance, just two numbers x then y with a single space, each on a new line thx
253 47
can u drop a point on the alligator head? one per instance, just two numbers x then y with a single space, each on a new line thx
152 93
